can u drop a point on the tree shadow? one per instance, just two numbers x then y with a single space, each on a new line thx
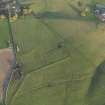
52 15
97 80
61 15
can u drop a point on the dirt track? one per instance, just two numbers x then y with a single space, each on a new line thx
6 58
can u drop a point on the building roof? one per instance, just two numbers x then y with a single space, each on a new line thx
100 12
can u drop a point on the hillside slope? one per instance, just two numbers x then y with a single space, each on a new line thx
63 57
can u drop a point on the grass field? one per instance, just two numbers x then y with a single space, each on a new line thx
62 54
4 36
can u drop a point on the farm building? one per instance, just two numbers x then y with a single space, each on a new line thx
11 8
100 12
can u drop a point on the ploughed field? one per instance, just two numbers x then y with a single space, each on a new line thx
62 56
6 59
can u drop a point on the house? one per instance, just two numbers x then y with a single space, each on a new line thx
9 8
99 12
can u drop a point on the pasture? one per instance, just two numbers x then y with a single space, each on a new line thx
62 55
4 34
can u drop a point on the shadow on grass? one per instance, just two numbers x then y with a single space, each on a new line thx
52 15
61 15
98 79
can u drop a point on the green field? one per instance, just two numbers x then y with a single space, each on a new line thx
62 54
4 34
